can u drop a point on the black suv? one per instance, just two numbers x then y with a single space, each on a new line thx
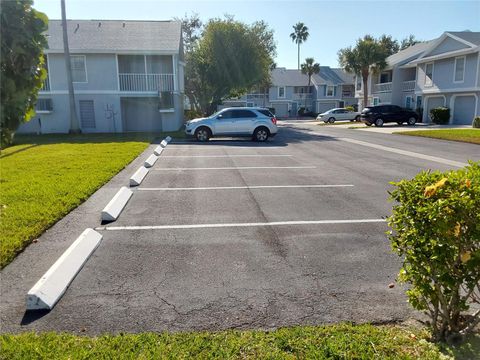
378 115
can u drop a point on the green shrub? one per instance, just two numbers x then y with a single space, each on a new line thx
301 111
436 230
440 115
192 114
476 122
349 108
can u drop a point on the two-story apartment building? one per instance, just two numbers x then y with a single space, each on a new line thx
127 76
441 72
289 92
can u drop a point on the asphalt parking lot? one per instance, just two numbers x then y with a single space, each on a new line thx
237 234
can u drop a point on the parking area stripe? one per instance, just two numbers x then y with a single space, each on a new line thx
274 223
405 152
243 187
223 156
235 168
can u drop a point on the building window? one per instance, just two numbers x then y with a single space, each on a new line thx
408 102
359 83
385 77
79 70
87 114
419 102
330 90
459 69
44 106
281 92
376 101
429 74
166 100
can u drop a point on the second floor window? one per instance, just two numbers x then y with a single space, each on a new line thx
330 90
281 92
79 71
459 69
429 74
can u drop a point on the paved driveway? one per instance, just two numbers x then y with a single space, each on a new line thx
235 234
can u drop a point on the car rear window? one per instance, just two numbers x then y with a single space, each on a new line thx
265 112
365 110
243 114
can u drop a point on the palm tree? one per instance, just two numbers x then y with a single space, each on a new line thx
310 67
367 56
74 128
299 36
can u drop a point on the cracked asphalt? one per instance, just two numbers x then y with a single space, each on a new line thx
214 278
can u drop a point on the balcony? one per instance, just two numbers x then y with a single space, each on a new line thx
409 85
382 87
146 82
45 85
302 96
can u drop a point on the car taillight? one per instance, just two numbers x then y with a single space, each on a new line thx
274 120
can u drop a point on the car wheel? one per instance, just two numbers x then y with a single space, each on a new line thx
203 134
331 120
411 121
379 122
261 134
368 124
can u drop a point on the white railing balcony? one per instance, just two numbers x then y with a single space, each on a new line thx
382 87
146 82
45 85
408 85
302 96
256 96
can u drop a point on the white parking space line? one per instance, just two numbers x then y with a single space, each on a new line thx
405 152
245 187
256 224
222 156
236 168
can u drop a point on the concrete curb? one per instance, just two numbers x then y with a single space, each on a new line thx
138 177
53 284
164 143
168 139
150 161
116 205
158 150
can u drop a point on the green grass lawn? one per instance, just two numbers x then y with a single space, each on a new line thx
341 341
42 178
464 135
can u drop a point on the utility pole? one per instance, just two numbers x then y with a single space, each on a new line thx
74 128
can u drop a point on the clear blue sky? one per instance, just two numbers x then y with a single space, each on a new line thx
332 24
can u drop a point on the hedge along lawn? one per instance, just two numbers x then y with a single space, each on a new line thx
464 135
342 341
42 178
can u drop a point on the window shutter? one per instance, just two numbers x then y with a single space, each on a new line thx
334 91
324 90
87 114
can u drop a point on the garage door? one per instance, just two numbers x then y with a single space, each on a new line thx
464 110
281 110
322 107
432 103
141 114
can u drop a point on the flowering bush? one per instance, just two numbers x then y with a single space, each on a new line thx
436 229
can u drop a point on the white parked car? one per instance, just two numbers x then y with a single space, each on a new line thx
258 123
333 115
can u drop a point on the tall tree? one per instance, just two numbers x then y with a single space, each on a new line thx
74 126
408 41
230 57
299 36
390 44
368 55
22 71
310 68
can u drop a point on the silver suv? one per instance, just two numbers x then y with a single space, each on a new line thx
259 123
